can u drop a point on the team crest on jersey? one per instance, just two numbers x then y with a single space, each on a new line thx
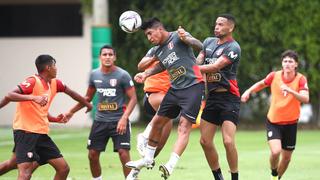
113 82
219 51
170 45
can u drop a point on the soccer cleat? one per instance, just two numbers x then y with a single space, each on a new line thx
141 144
165 172
274 177
139 164
133 175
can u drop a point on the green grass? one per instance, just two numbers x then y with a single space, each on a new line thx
252 149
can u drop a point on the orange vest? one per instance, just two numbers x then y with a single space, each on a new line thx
284 109
157 83
32 117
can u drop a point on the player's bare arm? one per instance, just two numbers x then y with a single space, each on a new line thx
221 62
74 95
141 77
188 39
4 101
89 96
258 86
146 62
16 96
200 58
122 124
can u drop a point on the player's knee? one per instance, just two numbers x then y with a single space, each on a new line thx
93 156
64 170
25 175
275 153
228 143
205 143
286 159
123 153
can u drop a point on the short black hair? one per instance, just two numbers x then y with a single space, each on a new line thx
43 60
290 53
151 23
230 17
107 47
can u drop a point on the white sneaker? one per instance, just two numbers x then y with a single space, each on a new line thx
141 144
165 171
139 164
133 175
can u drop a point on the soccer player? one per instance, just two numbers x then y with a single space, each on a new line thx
112 85
289 89
155 88
31 121
174 53
220 57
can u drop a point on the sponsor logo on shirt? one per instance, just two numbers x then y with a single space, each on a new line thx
232 55
213 77
171 58
104 106
97 81
109 92
211 60
175 73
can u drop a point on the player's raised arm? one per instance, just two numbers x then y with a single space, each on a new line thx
188 39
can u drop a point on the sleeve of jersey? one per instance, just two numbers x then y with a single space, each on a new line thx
127 81
303 84
268 80
151 52
61 87
232 53
91 80
26 87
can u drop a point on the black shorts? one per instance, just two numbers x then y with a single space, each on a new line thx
102 131
31 147
187 100
147 106
220 107
286 133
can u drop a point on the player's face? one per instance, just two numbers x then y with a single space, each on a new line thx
52 69
154 35
222 27
107 57
289 64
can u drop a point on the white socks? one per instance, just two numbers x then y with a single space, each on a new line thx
97 178
147 131
174 158
149 153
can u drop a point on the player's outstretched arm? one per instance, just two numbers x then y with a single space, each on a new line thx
74 95
258 86
4 101
89 96
188 39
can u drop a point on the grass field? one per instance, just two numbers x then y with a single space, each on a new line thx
252 148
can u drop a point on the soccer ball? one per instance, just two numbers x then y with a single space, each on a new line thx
130 21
